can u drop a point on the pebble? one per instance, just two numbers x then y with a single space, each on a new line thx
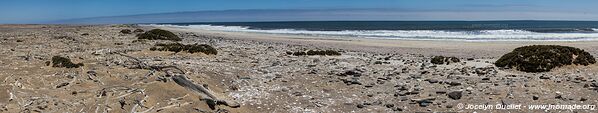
583 99
389 105
432 81
455 95
453 83
544 77
360 106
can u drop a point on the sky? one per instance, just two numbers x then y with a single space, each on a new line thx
41 11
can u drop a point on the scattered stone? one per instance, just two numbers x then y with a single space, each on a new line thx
443 60
389 105
62 85
440 92
454 83
317 52
424 102
397 109
485 78
354 73
535 97
432 80
360 106
544 77
455 95
298 94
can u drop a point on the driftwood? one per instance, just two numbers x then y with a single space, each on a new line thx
178 76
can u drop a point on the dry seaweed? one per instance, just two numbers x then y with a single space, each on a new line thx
178 47
58 61
443 60
543 58
138 30
125 31
317 52
158 34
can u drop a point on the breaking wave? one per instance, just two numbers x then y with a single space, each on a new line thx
471 35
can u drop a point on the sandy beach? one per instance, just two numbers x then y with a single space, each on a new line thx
490 49
255 71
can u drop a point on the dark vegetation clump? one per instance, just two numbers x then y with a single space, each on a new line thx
125 31
317 52
138 30
158 34
64 37
143 41
58 61
178 47
543 58
443 60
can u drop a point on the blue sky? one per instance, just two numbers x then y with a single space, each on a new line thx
39 11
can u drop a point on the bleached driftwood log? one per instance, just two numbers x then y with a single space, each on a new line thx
178 76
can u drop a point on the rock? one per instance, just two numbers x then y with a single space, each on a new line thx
62 85
432 81
298 94
351 81
455 95
449 106
440 92
558 96
92 72
544 77
535 97
402 87
454 83
469 89
583 99
276 63
424 102
412 93
389 105
354 73
397 109
100 52
360 106
486 78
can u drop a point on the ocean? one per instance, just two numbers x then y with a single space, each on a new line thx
417 30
